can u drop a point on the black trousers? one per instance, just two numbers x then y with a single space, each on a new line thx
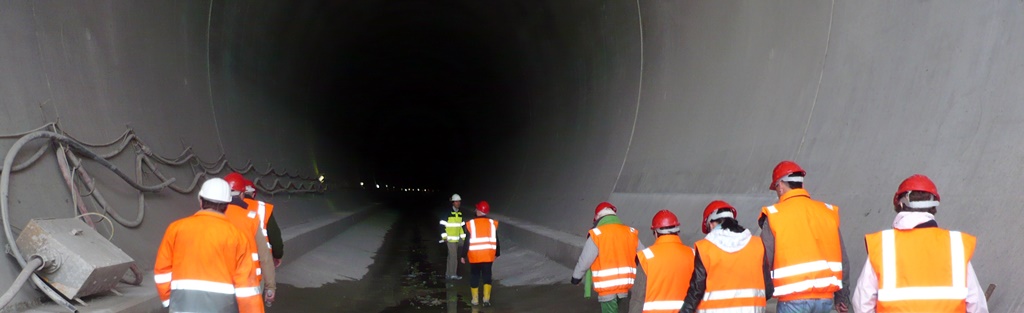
477 271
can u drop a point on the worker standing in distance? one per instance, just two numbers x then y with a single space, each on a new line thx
810 269
265 211
453 235
249 223
730 270
668 264
204 263
608 258
922 268
481 249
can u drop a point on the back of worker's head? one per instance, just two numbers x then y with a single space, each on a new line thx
917 193
483 208
720 213
788 175
665 223
215 194
604 209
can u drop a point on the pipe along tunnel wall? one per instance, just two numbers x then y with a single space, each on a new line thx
648 104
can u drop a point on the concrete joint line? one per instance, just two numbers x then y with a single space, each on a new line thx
639 93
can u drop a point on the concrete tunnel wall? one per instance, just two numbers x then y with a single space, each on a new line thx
861 94
97 68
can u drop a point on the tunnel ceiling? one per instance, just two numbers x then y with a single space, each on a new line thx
409 90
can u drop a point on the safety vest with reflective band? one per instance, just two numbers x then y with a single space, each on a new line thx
263 210
735 281
921 270
808 254
483 240
204 264
453 227
668 265
614 270
247 223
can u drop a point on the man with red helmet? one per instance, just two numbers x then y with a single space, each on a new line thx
265 211
248 221
804 247
668 264
608 260
922 268
730 270
481 248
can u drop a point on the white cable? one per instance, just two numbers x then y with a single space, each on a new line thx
828 40
639 93
104 218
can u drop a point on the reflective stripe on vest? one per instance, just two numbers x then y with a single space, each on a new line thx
742 309
734 294
663 305
903 288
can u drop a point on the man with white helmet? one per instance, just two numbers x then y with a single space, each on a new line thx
204 263
453 235
917 266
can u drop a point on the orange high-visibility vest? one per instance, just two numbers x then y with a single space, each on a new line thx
204 264
483 240
263 210
734 280
808 255
669 265
921 270
247 223
614 270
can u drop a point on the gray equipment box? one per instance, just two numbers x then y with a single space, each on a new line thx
83 261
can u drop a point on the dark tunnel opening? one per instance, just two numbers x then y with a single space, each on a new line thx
409 92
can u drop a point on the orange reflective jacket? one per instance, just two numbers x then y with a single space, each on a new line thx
204 264
247 223
808 254
921 270
668 264
483 240
614 270
263 210
734 280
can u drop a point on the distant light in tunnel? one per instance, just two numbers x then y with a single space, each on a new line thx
360 184
321 178
378 186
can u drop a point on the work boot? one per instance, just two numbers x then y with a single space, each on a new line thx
487 294
473 291
455 277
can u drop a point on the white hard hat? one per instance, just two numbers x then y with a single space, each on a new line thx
455 197
215 190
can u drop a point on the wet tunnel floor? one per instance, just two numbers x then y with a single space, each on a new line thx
408 276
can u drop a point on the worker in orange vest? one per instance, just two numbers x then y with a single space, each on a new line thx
804 247
921 267
668 264
204 263
248 222
481 249
608 258
730 271
265 211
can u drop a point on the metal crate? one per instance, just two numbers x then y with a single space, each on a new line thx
83 261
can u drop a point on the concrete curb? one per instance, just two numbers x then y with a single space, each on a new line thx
299 239
562 247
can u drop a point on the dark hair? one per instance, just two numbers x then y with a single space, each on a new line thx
918 196
728 223
794 184
209 205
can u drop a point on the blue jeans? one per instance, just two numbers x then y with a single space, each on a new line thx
805 306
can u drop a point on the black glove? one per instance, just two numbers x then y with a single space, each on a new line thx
575 281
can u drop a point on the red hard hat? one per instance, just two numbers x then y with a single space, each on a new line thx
713 207
664 219
236 181
602 206
785 168
484 207
916 182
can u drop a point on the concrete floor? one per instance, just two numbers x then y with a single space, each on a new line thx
406 275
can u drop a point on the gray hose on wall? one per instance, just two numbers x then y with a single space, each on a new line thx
32 266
